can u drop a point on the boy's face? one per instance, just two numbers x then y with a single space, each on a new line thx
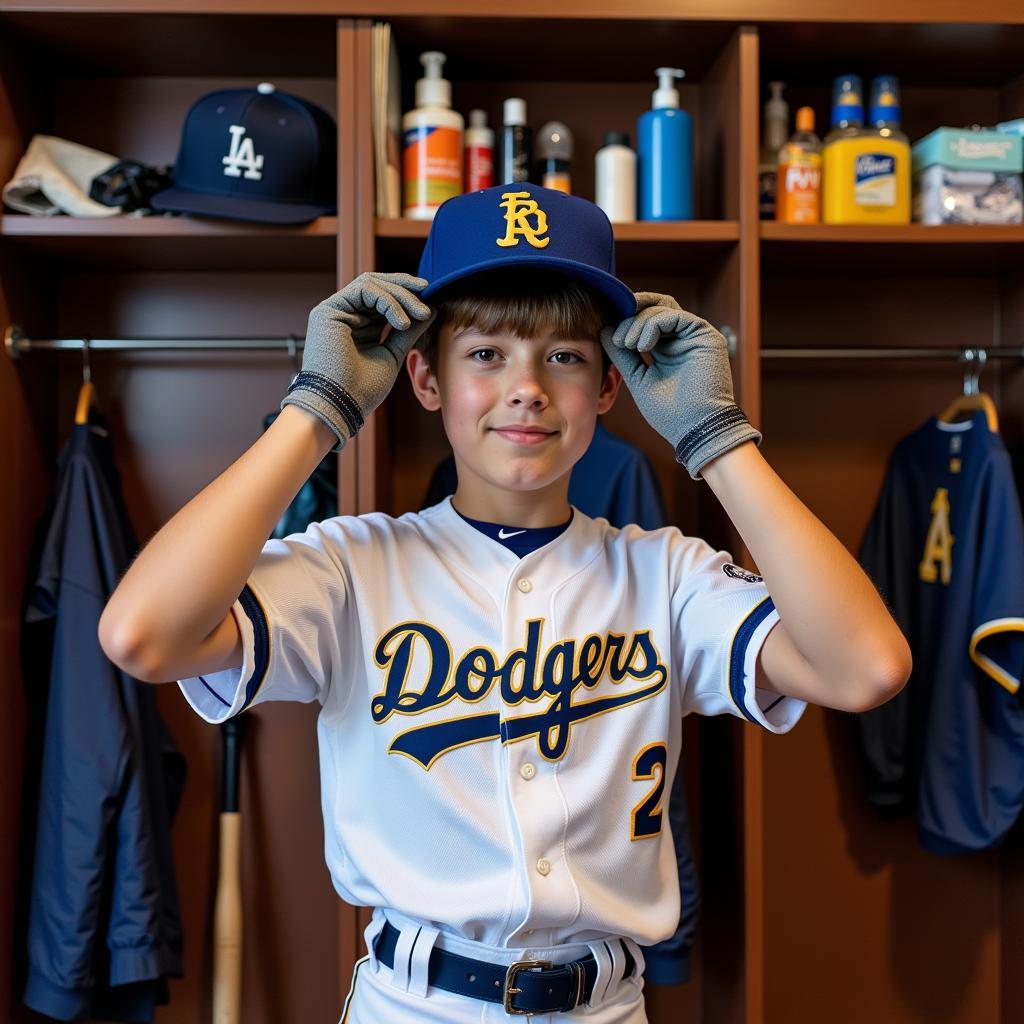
518 412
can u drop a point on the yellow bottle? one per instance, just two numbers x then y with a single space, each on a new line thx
867 170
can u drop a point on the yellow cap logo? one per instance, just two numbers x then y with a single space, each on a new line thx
519 207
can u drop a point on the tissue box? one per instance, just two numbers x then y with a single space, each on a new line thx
944 196
965 149
965 176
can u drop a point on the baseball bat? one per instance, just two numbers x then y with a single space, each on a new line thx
227 918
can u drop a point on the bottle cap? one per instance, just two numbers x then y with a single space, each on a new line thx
847 99
885 100
432 90
805 119
615 139
515 111
667 95
478 119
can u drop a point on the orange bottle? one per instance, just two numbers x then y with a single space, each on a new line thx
798 183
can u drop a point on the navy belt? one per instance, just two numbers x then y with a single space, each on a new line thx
525 986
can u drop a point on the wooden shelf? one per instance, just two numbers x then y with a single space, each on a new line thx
174 243
913 234
637 231
24 225
642 247
960 249
953 11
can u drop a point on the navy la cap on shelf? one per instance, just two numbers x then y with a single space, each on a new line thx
523 225
255 154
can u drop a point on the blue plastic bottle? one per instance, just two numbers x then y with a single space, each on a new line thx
665 154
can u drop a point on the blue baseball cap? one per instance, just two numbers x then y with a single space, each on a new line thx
254 154
523 225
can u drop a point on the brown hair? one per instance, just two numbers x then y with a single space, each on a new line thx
521 302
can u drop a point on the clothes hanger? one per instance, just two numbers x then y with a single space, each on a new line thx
86 393
973 399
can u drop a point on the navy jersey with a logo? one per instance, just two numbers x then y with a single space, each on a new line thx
945 546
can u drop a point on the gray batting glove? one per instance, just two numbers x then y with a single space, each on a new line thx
347 370
686 393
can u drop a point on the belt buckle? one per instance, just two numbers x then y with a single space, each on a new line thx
510 976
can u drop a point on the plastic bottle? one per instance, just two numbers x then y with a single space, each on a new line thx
554 145
615 178
861 165
479 160
516 139
773 138
432 143
665 154
884 117
799 174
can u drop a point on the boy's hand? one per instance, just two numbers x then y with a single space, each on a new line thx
686 393
347 371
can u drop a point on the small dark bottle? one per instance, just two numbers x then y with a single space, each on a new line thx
516 139
554 143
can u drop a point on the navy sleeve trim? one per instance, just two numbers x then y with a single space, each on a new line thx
213 692
737 657
261 642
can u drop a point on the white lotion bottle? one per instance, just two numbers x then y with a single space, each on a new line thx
615 178
432 143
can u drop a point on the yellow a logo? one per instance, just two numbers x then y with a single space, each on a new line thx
939 545
519 207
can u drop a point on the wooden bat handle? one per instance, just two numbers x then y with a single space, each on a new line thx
227 917
227 939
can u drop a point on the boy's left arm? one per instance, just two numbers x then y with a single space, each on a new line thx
836 643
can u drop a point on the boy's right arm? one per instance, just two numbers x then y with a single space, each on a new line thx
170 615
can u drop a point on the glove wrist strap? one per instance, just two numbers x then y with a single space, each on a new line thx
713 436
717 423
333 394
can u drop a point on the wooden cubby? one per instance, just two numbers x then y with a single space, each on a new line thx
853 882
811 908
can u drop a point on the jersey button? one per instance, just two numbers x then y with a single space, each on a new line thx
525 586
544 866
528 771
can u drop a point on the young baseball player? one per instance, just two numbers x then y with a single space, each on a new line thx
503 679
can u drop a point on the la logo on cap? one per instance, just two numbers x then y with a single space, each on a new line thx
242 154
519 207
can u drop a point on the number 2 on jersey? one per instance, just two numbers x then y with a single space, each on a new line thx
649 764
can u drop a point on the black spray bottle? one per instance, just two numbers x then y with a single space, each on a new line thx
516 143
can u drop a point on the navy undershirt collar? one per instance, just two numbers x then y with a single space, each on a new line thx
519 540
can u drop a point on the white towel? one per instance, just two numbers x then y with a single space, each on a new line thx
54 176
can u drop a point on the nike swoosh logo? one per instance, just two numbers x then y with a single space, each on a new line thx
502 535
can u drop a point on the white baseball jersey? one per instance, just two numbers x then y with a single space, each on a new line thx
497 734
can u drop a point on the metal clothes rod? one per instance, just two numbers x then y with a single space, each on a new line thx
17 343
965 352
